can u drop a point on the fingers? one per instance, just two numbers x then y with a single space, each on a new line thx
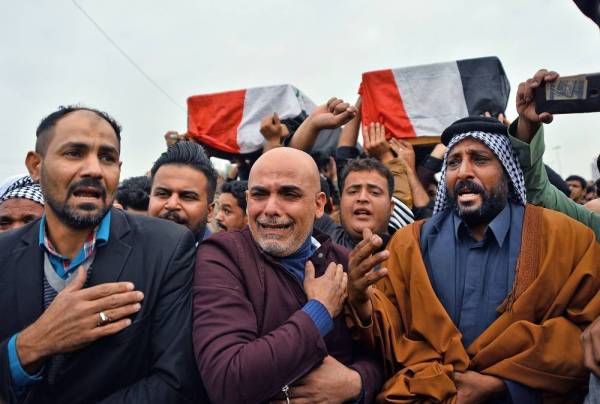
78 281
276 120
546 117
364 249
309 271
122 312
117 300
110 328
106 289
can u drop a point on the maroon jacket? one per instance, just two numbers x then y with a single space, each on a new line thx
251 336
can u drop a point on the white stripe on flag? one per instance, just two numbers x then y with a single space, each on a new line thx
259 102
432 95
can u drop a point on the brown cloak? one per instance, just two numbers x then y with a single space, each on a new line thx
535 341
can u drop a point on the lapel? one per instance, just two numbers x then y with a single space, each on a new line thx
441 256
28 261
111 258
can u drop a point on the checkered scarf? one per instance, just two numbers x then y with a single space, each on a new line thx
501 147
23 187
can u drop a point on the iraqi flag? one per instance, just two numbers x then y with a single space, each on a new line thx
424 100
228 123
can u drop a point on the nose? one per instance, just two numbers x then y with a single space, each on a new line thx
363 195
219 216
465 170
172 202
92 167
272 207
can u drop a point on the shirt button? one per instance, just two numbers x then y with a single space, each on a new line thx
320 255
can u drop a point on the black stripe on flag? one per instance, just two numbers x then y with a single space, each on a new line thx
485 85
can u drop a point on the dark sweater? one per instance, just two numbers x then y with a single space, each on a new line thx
251 336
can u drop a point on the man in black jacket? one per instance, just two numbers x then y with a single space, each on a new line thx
96 303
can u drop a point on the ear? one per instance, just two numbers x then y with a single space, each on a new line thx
210 208
33 162
320 201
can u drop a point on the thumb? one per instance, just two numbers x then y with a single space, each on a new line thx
309 271
78 280
276 120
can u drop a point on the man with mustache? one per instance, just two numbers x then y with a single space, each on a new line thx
183 187
231 206
96 303
267 299
486 301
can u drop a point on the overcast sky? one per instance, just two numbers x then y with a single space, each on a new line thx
52 55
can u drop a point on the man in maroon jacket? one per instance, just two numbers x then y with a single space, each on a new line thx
267 299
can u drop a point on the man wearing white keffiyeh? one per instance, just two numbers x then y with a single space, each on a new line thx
486 300
21 202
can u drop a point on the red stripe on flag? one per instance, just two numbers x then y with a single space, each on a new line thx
213 119
381 102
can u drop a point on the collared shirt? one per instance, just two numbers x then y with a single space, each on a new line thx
63 267
472 278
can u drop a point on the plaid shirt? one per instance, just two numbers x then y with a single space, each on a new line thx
63 265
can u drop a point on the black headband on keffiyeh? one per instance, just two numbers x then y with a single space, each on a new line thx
492 134
23 187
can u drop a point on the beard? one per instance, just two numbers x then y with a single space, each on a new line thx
275 246
198 228
82 216
492 202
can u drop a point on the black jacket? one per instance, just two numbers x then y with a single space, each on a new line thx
151 361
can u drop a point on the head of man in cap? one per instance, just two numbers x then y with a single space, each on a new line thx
21 202
480 174
484 292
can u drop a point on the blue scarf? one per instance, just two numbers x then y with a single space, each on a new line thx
294 263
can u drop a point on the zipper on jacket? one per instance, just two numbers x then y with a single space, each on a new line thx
286 392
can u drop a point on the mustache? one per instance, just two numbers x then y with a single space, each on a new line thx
88 183
468 186
174 217
273 222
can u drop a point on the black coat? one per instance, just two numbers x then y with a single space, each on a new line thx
151 361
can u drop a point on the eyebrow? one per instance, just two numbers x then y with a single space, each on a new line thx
289 188
76 145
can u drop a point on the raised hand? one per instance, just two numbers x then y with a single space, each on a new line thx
529 120
363 272
329 289
405 152
272 129
375 143
332 115
73 319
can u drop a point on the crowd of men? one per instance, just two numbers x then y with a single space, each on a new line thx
357 277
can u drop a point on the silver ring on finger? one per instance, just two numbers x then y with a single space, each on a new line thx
103 319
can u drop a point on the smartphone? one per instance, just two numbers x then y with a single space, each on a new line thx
569 95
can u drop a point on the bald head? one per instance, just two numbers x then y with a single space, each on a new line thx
288 162
284 198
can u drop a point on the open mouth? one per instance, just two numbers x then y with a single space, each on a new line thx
274 227
467 194
221 226
88 193
362 213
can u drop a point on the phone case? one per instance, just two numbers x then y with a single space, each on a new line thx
569 95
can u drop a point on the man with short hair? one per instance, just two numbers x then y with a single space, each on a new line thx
21 202
231 206
577 185
267 299
96 303
486 301
134 195
183 187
